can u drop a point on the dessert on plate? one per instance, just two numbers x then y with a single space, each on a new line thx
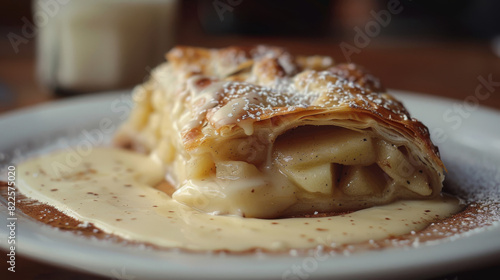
246 148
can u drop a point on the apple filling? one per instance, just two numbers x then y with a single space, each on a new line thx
306 169
347 164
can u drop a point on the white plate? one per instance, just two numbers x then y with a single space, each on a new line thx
470 145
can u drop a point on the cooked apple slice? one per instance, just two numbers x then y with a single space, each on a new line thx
235 170
362 180
313 178
398 166
317 145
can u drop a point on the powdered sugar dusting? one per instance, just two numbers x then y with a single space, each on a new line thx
310 90
275 82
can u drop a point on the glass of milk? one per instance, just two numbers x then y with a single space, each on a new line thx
96 45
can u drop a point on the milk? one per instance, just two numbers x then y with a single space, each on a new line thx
94 45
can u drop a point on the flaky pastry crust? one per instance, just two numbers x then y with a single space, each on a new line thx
312 86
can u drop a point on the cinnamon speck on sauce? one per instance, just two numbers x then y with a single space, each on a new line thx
321 229
387 218
274 223
118 220
54 190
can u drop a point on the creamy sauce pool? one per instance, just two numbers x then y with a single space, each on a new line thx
115 190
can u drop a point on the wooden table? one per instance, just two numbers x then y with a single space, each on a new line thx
451 70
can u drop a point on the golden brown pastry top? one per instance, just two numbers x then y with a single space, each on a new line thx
273 84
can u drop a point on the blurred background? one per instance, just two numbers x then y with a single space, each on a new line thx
55 48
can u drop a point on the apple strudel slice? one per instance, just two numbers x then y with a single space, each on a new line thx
260 133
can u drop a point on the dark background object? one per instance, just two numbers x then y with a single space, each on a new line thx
293 18
443 20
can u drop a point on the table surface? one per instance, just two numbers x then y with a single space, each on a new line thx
451 69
